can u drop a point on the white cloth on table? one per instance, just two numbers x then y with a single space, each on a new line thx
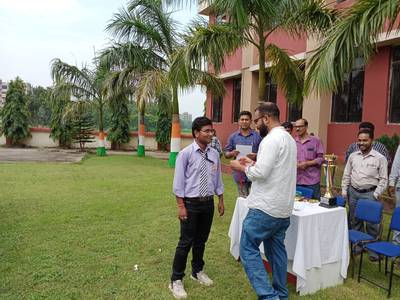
316 236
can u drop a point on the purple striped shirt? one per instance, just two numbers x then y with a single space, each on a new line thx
187 172
310 149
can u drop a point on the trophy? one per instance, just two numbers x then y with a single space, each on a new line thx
329 167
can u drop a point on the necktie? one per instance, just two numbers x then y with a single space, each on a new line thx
203 189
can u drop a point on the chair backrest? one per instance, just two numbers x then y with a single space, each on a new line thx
306 192
395 222
369 211
340 201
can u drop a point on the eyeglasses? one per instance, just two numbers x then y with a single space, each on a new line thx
299 126
256 119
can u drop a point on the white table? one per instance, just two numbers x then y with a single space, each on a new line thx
316 242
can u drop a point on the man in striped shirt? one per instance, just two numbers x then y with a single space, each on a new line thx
377 146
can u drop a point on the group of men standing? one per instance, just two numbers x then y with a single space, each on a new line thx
273 158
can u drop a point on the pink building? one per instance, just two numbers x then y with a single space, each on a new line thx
371 92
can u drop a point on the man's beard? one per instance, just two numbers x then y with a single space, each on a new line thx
263 130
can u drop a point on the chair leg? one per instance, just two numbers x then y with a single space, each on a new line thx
352 260
379 262
386 263
359 269
391 278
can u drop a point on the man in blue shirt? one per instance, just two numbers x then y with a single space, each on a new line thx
197 179
244 136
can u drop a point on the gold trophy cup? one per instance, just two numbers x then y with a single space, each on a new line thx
329 168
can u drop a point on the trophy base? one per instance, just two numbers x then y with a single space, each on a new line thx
328 202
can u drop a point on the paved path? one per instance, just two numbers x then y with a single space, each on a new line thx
40 155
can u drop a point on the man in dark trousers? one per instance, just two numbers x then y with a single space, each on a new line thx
197 179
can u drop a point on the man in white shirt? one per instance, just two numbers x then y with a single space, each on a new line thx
270 204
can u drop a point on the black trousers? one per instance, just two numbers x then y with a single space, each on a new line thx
194 234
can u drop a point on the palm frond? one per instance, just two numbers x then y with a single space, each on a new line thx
211 44
151 84
81 79
286 73
120 55
354 36
308 16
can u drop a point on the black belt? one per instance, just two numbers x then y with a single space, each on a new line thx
200 199
371 189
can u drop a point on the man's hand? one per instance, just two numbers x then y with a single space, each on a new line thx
252 156
302 165
221 208
237 166
182 213
232 154
391 191
245 161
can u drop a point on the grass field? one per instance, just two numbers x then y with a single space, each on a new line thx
77 231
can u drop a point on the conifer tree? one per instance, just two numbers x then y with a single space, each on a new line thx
15 114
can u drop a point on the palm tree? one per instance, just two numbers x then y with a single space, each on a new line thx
354 35
252 22
84 84
148 52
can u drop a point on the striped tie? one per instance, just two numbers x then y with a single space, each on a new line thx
203 175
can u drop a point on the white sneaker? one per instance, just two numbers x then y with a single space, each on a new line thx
177 289
202 278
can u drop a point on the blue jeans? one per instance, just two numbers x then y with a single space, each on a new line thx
260 227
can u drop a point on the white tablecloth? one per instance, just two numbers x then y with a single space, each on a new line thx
316 243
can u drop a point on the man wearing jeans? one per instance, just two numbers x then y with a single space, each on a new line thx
197 178
270 205
364 177
394 188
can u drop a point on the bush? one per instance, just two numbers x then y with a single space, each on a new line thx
391 143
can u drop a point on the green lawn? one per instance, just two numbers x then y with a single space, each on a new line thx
76 231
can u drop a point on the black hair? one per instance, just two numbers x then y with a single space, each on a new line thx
199 123
287 125
245 113
304 121
270 109
367 131
368 125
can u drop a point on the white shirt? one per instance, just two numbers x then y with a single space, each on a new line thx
274 175
365 171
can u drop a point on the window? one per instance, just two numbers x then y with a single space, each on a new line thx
270 89
220 19
217 109
394 107
347 103
295 112
237 89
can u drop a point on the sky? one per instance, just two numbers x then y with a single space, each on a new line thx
36 31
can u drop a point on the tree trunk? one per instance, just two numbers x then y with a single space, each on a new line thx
175 130
141 137
101 149
261 72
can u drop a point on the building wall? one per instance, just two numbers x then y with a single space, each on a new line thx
40 138
226 127
376 100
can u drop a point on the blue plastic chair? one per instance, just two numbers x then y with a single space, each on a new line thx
305 192
387 249
340 201
368 211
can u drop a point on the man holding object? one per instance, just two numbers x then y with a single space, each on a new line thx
270 205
